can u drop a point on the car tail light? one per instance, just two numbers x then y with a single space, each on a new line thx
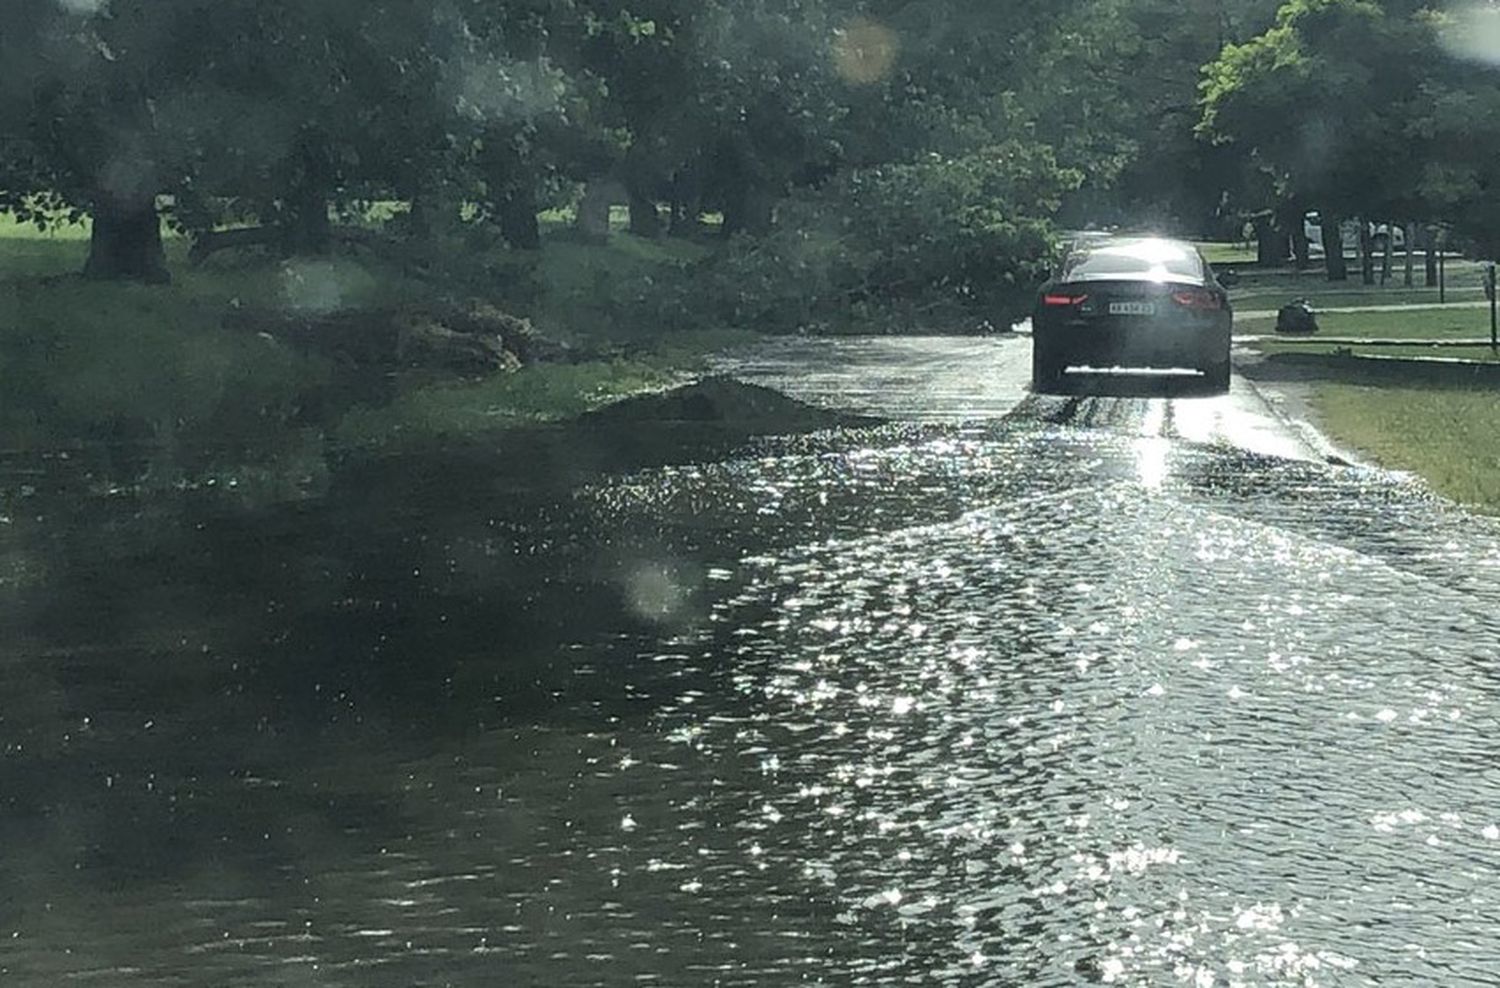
1062 300
1198 298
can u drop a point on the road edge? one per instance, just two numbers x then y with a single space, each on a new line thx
1278 400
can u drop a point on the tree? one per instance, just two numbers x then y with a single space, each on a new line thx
241 108
1320 103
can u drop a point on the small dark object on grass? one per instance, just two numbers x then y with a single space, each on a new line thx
1296 316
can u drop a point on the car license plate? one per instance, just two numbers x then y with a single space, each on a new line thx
1132 308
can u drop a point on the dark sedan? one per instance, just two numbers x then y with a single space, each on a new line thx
1136 302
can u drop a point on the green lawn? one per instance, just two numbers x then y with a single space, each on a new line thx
1447 433
1227 254
87 361
1270 290
1451 437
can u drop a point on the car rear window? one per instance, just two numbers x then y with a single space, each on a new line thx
1134 259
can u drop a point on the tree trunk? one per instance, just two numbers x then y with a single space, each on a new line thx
310 231
308 228
645 219
687 202
1301 252
1385 255
418 221
748 210
518 222
1366 254
125 243
1411 245
592 218
1430 242
1333 248
1270 242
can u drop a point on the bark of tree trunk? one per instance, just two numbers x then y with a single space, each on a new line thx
1301 250
125 243
1270 242
1366 254
1289 216
1431 272
1333 248
645 219
592 218
1411 245
310 231
748 210
518 222
686 193
1385 255
419 217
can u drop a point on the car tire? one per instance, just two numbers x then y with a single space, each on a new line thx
1216 375
1047 368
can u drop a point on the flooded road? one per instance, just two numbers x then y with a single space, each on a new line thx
1058 691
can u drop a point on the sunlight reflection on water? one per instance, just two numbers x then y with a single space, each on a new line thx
965 709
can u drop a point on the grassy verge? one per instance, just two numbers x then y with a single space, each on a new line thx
546 393
1443 427
100 366
1450 437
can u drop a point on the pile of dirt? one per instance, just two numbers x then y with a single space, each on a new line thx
727 403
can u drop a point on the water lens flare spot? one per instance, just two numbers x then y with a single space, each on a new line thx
83 6
656 591
319 287
865 51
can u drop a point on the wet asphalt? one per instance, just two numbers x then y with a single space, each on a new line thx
1131 688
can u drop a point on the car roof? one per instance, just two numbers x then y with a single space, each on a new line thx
1133 258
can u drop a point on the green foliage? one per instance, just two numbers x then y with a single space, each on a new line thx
942 242
1359 107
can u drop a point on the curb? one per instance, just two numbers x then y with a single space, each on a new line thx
1311 436
1442 370
1307 339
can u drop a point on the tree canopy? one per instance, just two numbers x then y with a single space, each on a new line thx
283 114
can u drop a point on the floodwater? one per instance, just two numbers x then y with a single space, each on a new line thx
1083 693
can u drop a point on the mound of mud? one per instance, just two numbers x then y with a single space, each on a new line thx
723 401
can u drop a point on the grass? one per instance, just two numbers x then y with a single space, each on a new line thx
84 362
1269 290
1450 437
87 364
583 283
1223 254
1447 433
545 393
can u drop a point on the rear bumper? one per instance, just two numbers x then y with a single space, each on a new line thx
1111 344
